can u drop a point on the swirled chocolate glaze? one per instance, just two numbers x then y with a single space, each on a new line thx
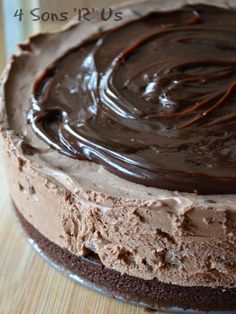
153 101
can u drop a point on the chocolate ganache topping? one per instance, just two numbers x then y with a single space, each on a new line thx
153 101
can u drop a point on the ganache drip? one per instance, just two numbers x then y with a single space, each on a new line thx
153 101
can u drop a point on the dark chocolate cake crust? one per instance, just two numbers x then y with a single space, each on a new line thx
152 293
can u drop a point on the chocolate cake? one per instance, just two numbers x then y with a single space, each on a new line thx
120 147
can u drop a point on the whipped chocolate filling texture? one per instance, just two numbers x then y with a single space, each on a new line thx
153 101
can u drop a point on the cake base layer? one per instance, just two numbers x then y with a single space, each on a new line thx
151 293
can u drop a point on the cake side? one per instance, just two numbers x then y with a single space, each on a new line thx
149 293
146 239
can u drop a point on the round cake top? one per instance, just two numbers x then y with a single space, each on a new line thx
153 101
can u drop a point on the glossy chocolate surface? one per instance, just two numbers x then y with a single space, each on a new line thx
153 101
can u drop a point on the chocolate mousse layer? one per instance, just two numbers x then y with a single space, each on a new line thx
151 293
152 100
79 204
